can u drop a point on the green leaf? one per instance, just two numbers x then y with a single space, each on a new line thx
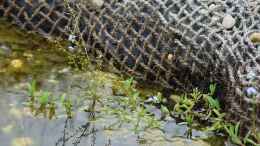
236 129
128 83
212 89
32 88
62 97
213 103
44 98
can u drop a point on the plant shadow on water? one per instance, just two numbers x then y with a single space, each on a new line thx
44 102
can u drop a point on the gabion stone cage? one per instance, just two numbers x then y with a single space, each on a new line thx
178 44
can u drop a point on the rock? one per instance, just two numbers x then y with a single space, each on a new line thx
98 3
94 4
255 37
228 21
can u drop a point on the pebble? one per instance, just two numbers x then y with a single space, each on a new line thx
170 57
98 3
228 21
255 37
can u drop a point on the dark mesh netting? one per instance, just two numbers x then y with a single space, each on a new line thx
178 44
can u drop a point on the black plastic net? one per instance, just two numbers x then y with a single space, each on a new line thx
178 44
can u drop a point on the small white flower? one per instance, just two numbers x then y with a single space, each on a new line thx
153 99
72 38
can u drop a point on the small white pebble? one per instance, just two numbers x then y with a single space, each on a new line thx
98 3
170 57
228 21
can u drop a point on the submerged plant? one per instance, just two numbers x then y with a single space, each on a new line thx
206 107
44 102
44 98
131 108
189 120
32 88
67 104
184 105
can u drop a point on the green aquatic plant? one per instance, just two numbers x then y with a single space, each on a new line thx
52 110
212 89
32 88
233 132
130 108
44 102
198 106
189 119
248 140
44 97
67 104
213 103
196 95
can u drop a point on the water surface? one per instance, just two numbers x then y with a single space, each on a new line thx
25 57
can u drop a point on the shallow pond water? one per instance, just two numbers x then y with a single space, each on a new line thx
25 58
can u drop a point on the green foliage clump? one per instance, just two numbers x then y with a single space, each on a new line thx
206 107
43 102
131 109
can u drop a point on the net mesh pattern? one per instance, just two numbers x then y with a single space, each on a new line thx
179 44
